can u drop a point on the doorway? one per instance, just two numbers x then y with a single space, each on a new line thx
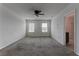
69 30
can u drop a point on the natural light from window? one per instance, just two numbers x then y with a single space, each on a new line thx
31 27
44 27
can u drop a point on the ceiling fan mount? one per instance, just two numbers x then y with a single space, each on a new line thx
38 12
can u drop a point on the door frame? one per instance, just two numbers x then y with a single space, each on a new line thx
74 28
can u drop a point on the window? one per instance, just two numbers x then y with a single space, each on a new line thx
44 27
31 27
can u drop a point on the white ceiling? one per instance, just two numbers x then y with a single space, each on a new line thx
25 10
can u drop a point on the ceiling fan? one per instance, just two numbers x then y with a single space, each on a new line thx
38 12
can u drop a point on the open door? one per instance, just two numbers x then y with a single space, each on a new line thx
69 30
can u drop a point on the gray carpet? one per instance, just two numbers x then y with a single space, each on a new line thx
43 46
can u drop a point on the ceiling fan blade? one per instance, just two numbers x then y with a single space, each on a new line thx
41 14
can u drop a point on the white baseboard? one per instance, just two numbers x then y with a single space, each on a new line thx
77 53
12 42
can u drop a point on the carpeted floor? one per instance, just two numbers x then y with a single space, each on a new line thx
43 46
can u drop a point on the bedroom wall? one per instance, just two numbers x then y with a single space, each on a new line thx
57 26
12 28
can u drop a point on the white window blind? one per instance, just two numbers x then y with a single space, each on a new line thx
31 27
44 27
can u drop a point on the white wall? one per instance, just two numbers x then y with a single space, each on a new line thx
57 26
0 22
57 29
12 28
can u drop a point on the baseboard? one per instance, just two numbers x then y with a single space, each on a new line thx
77 53
58 41
8 44
11 43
